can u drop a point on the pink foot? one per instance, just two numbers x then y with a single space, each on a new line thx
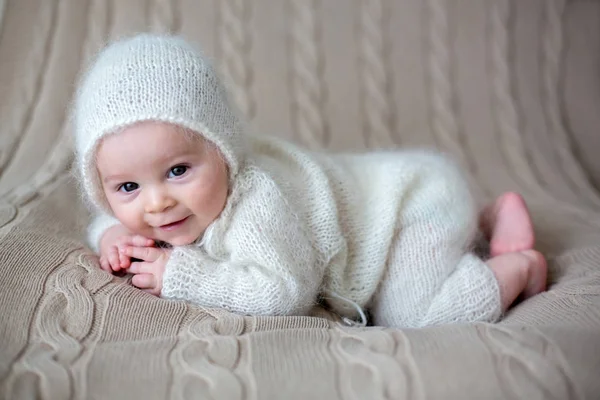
519 273
538 275
509 225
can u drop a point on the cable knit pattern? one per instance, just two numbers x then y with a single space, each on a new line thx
375 84
236 43
524 94
305 77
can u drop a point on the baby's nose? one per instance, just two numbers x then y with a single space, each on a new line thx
159 202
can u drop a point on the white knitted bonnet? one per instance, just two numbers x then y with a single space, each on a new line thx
150 77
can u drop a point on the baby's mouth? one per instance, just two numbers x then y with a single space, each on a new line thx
173 225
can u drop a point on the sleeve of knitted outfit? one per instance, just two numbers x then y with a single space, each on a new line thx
433 277
99 224
266 264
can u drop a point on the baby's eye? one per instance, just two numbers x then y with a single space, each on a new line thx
177 171
128 187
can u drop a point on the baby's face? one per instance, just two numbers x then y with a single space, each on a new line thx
160 183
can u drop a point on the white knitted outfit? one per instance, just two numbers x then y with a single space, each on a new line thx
387 231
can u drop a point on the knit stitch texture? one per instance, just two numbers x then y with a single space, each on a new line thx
386 230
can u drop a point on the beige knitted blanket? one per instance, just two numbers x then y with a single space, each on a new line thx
510 87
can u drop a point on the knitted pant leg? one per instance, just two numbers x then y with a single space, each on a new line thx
470 293
430 279
431 276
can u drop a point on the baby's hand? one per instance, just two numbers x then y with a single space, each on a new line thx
114 239
148 272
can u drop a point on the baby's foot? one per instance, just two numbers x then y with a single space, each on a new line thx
508 225
521 272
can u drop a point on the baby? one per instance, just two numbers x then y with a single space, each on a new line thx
201 211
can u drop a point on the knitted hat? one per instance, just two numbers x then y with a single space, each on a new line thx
150 77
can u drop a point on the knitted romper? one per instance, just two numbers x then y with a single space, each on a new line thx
390 232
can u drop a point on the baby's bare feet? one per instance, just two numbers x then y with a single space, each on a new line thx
508 226
520 272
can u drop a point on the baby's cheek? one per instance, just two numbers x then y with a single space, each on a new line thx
130 218
215 191
208 202
196 193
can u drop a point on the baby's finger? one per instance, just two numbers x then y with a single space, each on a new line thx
143 281
149 254
140 268
134 268
137 240
125 261
104 264
113 258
